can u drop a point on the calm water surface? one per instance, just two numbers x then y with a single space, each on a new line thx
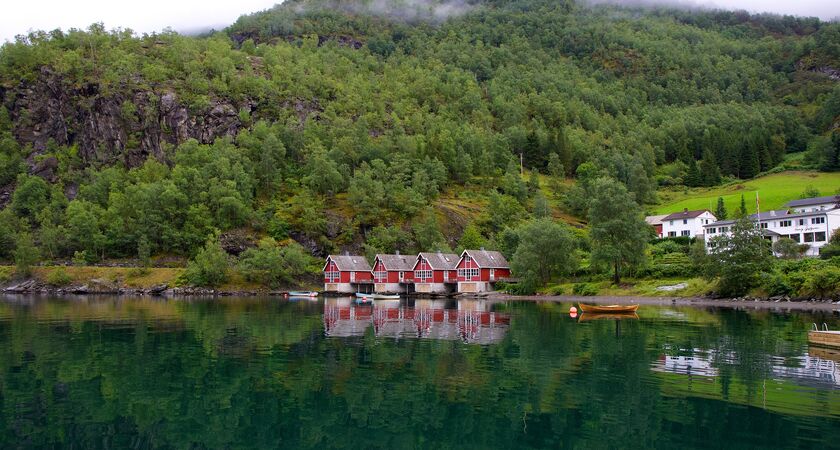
269 373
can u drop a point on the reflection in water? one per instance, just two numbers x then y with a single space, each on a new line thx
470 321
256 373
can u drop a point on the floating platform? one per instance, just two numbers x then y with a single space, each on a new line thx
824 338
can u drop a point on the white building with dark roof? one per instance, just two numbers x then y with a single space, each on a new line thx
814 204
687 223
806 223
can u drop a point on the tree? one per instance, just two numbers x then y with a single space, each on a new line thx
709 170
742 209
512 183
471 238
144 252
810 191
534 181
737 258
209 267
619 233
720 209
427 233
787 248
541 207
30 197
546 249
26 254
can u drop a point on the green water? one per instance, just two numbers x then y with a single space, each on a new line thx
268 373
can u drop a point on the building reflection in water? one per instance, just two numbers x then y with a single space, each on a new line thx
470 321
818 367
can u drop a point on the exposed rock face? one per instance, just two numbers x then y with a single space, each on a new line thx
110 127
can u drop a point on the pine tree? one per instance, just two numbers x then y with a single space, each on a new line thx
720 210
742 210
709 170
692 177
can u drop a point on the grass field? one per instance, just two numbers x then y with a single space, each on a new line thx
774 191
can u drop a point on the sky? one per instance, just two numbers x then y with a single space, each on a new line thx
146 16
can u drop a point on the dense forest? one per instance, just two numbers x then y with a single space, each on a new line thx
382 126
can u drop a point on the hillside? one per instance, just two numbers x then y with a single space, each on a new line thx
381 126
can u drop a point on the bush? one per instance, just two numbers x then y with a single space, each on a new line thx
271 265
776 284
59 277
209 267
672 265
664 247
824 282
5 274
584 289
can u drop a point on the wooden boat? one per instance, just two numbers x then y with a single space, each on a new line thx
588 317
303 294
608 309
824 337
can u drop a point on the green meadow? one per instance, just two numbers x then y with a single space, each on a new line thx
773 191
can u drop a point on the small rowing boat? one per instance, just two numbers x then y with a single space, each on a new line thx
303 294
608 309
588 317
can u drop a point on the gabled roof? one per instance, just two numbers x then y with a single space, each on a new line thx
655 220
440 261
487 259
397 262
814 201
350 263
686 214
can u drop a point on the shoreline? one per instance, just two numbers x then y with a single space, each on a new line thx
816 305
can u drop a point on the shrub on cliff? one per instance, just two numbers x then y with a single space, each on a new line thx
209 267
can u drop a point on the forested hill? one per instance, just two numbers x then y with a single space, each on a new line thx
327 121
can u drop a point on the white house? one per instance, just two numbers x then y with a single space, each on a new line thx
813 227
687 223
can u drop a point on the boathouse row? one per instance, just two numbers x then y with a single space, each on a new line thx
474 271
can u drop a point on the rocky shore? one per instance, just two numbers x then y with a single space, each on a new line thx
103 287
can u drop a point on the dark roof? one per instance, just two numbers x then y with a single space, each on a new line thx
487 259
441 261
350 263
397 262
814 201
685 215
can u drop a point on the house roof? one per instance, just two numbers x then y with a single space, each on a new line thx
655 220
686 214
440 261
397 262
814 201
774 215
487 259
350 263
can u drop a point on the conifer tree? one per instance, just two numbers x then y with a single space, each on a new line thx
720 210
742 210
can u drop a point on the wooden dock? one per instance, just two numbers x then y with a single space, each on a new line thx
824 338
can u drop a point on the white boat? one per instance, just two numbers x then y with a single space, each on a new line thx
302 294
386 296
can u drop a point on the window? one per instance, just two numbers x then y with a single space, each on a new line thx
723 229
817 220
672 234
794 237
685 221
819 236
801 222
785 223
809 237
685 233
670 222
380 275
763 225
467 273
423 274
332 276
712 230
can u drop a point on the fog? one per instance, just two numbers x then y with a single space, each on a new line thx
196 16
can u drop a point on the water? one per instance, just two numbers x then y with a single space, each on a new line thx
268 373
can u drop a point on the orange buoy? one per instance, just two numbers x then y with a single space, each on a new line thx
572 310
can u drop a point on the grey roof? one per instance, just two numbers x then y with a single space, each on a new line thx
397 262
655 220
814 201
685 214
720 223
487 259
350 263
440 261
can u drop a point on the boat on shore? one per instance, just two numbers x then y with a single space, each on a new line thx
608 309
302 294
377 296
